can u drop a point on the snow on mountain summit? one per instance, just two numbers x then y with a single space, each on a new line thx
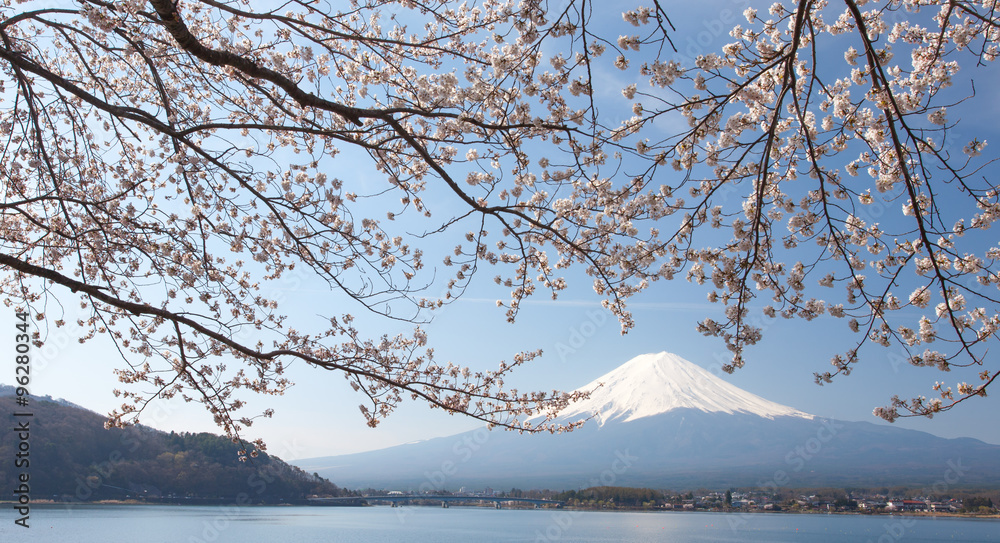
651 384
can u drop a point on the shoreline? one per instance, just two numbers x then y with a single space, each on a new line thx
915 514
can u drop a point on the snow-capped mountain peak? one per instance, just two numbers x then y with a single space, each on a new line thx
651 384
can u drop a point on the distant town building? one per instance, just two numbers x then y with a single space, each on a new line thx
906 505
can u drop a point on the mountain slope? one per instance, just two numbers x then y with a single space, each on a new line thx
73 457
703 432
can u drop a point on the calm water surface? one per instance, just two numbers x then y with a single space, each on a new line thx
182 524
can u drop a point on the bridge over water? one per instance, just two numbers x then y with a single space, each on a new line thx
396 499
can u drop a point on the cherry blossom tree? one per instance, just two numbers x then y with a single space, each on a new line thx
164 162
816 114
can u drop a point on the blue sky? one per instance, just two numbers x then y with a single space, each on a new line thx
319 415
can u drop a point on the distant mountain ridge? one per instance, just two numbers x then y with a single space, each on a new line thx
8 390
663 422
74 458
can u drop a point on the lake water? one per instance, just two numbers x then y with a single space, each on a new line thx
185 524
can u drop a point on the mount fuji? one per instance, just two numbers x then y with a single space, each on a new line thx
653 384
661 421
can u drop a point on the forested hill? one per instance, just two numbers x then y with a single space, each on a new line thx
74 458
